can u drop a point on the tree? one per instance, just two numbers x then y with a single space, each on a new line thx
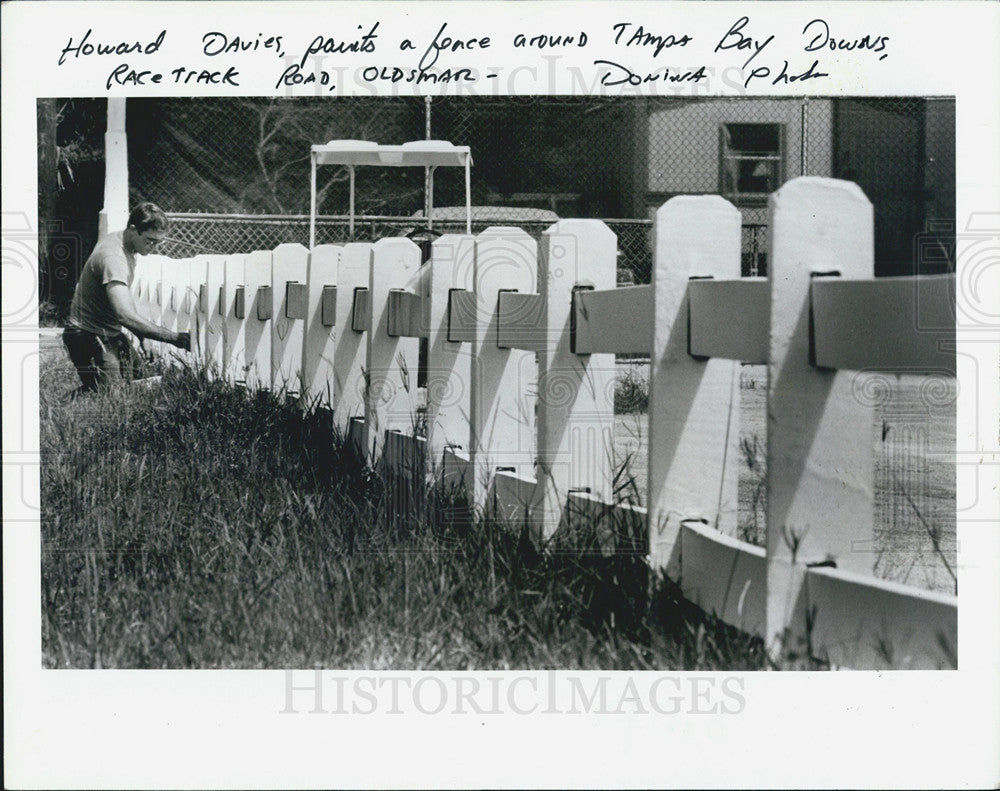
48 175
70 143
285 131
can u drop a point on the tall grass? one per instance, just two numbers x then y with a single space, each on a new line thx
200 525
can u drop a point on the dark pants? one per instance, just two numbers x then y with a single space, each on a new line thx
101 362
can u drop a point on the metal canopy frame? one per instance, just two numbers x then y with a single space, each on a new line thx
430 154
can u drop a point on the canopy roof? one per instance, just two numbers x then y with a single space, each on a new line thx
419 153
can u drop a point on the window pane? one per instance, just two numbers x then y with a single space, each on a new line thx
751 160
754 138
757 175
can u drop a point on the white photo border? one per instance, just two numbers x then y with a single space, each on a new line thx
214 729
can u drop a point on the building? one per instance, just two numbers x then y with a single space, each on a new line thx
900 151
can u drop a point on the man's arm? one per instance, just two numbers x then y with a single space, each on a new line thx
124 306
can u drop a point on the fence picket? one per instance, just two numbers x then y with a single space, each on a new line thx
693 403
170 295
449 364
234 325
257 331
319 341
350 346
391 362
289 268
190 273
211 322
504 380
142 264
148 274
197 276
820 500
575 392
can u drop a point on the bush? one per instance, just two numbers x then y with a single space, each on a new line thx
631 392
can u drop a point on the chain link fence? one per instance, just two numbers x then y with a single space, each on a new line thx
191 234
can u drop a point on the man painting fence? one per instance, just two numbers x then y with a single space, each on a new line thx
103 304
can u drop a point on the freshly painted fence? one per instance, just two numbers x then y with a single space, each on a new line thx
520 365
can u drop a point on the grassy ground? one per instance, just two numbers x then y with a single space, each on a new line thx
194 524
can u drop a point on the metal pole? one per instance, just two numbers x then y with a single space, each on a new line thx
428 176
804 145
312 200
429 196
350 169
468 195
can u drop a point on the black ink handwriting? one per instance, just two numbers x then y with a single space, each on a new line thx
822 39
85 48
616 74
543 41
643 39
734 39
784 77
442 43
327 45
125 75
218 43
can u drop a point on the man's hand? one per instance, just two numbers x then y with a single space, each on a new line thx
124 306
183 341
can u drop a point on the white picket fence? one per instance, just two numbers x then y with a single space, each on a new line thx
520 389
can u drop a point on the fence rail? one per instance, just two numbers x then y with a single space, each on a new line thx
521 334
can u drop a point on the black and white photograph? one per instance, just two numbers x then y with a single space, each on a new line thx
249 531
464 370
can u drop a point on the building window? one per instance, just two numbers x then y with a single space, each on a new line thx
751 161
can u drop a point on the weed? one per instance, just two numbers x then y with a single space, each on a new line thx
753 531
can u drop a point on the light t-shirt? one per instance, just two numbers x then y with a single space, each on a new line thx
109 263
